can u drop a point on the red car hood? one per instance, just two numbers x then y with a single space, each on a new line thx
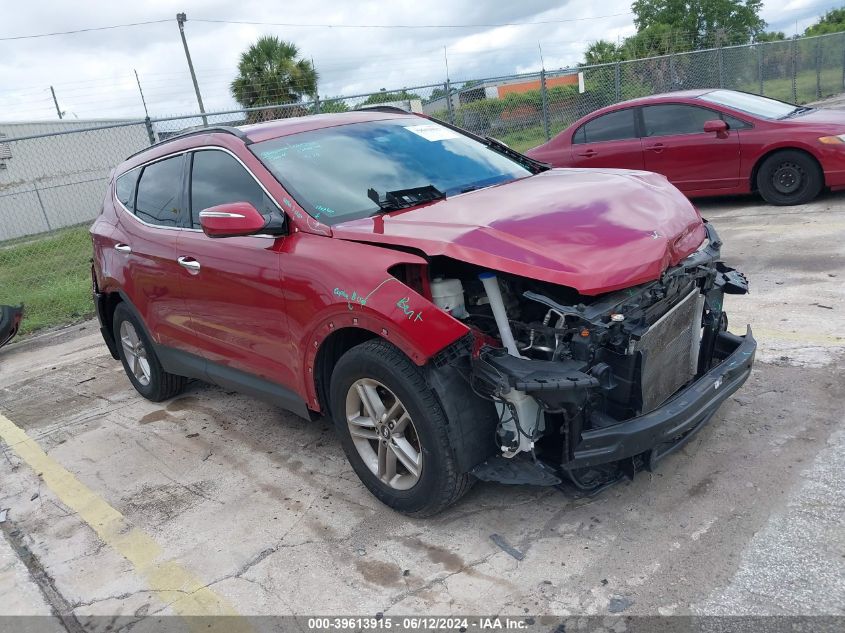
594 230
821 116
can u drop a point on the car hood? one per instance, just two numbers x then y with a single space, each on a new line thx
594 230
820 116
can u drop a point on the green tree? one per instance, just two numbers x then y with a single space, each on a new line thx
384 97
269 73
831 22
602 52
701 23
770 36
333 105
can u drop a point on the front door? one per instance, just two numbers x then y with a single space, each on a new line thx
232 284
676 145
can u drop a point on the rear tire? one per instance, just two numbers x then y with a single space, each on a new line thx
139 359
382 398
789 177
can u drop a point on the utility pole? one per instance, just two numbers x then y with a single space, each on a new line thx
56 102
449 106
181 18
146 113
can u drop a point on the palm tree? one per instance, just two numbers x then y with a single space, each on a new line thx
269 73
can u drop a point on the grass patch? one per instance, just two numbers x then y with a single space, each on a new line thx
805 86
524 139
50 275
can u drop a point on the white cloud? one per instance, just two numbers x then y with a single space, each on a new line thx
93 72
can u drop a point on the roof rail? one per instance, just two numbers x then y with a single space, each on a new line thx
226 129
383 108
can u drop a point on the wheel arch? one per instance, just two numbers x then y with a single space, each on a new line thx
784 148
328 354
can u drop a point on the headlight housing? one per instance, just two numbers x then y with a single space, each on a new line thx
832 140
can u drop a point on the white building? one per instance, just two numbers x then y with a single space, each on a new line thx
58 180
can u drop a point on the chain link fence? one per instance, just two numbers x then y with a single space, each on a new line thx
53 174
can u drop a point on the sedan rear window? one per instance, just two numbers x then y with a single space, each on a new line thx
330 171
613 126
755 105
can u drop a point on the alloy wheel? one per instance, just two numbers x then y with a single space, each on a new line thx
384 434
135 353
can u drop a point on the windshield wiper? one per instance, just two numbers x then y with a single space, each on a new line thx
404 198
532 165
798 110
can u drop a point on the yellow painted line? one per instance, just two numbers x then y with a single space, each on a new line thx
186 594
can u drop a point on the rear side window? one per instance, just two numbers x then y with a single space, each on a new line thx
613 126
668 119
125 188
159 196
217 178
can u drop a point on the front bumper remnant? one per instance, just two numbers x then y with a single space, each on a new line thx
672 422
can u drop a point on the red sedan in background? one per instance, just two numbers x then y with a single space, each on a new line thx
712 142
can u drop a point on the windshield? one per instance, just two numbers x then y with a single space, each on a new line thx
762 107
331 170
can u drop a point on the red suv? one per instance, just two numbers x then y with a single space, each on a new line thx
460 310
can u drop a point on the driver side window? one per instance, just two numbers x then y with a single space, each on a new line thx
217 178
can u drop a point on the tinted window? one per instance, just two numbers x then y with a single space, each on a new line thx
614 126
662 120
160 192
217 178
125 188
331 170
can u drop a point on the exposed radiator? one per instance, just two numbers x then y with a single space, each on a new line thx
670 351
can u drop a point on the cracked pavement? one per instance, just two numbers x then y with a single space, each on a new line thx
264 510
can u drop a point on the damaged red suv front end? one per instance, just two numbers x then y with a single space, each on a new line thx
460 310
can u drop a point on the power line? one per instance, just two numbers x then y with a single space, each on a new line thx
96 28
411 26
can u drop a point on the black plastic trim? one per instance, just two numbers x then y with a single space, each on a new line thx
687 411
190 365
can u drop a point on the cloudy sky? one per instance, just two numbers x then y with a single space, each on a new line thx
93 72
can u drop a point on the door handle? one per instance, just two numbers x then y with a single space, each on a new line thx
589 153
123 248
657 147
190 264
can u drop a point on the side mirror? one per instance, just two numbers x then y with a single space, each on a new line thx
718 126
232 219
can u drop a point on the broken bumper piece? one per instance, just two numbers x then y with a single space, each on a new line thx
650 436
668 426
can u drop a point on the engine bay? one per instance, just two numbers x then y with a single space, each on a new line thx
556 364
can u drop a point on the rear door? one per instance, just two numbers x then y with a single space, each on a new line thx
232 285
675 145
609 140
150 214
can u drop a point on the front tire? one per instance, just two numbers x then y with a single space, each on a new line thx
139 359
789 177
394 431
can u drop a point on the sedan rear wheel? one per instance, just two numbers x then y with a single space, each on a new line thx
789 177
